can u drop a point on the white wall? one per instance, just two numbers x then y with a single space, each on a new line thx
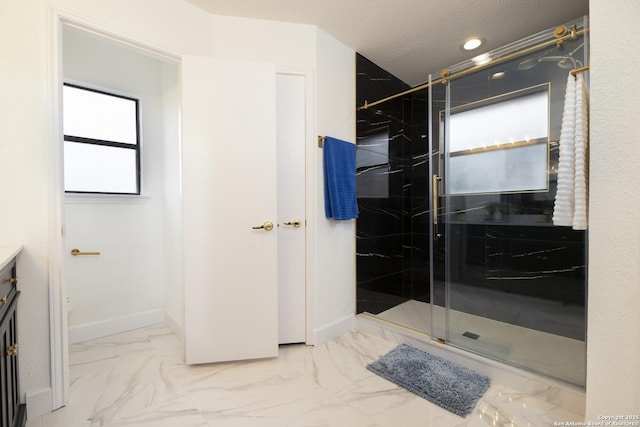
283 44
173 26
335 251
24 189
172 225
613 331
128 278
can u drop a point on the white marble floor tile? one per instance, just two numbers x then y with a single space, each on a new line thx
138 379
343 361
390 405
269 401
333 412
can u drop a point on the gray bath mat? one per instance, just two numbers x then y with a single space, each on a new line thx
451 386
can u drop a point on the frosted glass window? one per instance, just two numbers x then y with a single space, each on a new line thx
499 145
500 171
99 169
96 115
521 119
101 149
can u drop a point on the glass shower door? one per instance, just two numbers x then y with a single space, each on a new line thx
507 283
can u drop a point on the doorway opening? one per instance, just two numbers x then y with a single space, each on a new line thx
131 271
131 276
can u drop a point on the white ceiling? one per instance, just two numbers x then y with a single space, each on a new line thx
412 38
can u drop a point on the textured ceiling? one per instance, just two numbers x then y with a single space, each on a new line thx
412 38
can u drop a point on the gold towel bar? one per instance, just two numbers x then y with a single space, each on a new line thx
76 252
560 36
579 70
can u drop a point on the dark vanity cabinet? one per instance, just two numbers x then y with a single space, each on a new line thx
14 413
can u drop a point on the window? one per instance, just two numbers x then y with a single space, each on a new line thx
500 145
101 142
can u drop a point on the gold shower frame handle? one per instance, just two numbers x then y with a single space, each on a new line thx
435 180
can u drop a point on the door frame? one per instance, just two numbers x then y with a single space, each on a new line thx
307 73
58 334
58 328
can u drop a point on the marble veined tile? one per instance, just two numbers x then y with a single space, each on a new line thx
126 379
333 412
242 374
391 406
267 402
343 361
138 379
151 340
290 389
504 406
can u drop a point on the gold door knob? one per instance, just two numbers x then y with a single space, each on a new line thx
267 226
296 223
3 300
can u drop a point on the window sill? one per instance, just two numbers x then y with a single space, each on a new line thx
125 199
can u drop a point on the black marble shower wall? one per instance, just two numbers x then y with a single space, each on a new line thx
392 235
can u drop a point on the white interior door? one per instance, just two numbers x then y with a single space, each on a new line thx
229 186
291 133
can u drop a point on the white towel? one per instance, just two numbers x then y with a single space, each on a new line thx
581 158
563 207
570 208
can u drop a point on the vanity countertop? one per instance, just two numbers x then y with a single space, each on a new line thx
7 253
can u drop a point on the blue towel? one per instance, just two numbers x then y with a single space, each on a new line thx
339 179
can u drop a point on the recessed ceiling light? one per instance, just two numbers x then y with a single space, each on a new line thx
498 75
472 43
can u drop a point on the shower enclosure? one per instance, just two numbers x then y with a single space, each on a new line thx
456 187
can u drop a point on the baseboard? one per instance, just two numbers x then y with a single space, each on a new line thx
334 329
174 325
116 325
38 402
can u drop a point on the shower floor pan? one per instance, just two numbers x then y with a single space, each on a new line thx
543 353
